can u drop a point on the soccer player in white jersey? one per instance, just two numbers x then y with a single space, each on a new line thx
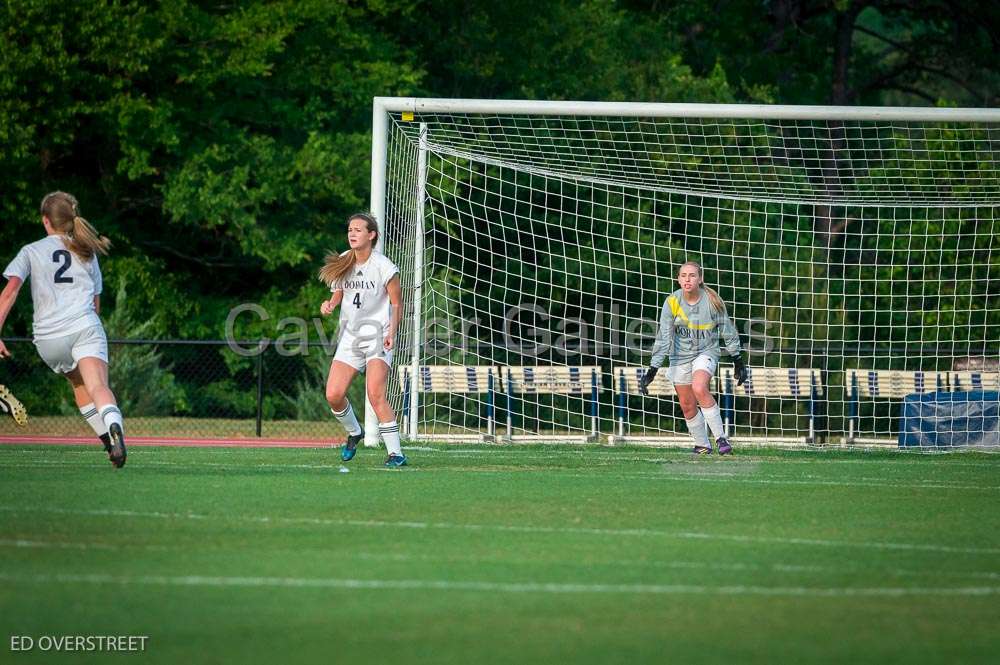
365 284
66 291
692 321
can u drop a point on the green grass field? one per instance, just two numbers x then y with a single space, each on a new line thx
503 555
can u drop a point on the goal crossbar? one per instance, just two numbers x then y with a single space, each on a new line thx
383 105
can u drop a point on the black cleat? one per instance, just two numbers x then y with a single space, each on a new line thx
106 440
116 449
351 447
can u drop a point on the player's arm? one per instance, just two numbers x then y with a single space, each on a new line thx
7 298
326 309
396 301
95 272
664 341
731 340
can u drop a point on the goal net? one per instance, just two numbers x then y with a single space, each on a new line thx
856 249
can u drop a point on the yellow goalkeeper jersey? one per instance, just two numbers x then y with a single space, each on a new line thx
688 330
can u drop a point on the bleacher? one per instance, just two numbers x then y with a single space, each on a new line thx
513 382
897 384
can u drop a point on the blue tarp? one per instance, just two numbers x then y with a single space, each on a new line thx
950 419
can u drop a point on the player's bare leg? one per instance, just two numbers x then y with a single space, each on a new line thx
710 410
94 373
693 417
376 377
88 409
337 382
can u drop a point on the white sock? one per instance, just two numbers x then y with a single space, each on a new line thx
390 436
93 418
110 415
348 420
714 420
698 432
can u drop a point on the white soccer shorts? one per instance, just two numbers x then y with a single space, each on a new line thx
358 351
63 354
683 373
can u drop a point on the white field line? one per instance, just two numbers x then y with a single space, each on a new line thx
497 587
719 477
508 561
678 465
679 457
616 456
682 565
641 532
709 473
718 472
723 477
24 543
183 465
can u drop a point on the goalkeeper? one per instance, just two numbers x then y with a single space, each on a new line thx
692 322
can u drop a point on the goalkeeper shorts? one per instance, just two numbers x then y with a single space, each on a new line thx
683 373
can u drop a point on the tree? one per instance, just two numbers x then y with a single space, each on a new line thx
563 49
845 51
218 147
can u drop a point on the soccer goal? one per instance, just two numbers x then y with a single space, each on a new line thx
856 249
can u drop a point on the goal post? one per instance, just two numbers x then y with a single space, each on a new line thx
856 249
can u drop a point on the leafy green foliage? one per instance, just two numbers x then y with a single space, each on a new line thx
214 147
220 146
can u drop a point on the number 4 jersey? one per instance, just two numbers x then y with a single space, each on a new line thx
63 287
365 309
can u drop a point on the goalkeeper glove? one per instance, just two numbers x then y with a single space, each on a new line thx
647 379
740 370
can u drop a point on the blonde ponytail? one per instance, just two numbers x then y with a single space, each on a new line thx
717 303
336 267
63 212
84 241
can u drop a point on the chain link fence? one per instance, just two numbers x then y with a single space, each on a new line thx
206 389
180 389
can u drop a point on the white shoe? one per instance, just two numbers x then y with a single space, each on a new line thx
12 405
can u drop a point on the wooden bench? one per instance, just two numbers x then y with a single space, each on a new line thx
490 380
791 382
455 379
886 383
897 384
974 380
583 381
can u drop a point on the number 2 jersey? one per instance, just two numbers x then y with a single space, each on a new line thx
365 309
63 287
